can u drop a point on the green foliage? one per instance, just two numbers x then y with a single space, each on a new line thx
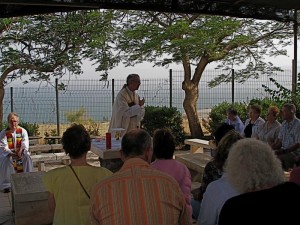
31 128
53 132
163 117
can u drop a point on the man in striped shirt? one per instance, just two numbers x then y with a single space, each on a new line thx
138 194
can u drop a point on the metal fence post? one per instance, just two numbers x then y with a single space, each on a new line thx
170 87
57 107
11 99
113 91
232 86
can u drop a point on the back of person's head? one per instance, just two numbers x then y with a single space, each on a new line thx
252 166
76 141
221 131
135 142
163 143
295 175
224 146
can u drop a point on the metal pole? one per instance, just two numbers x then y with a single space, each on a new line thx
170 87
11 99
57 107
113 91
232 86
295 64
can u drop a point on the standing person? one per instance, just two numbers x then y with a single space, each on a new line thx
163 150
254 123
137 193
287 144
270 129
251 165
128 108
234 120
69 187
14 145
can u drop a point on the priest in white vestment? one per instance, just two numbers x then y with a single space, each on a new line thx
128 108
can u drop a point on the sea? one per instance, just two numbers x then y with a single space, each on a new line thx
92 99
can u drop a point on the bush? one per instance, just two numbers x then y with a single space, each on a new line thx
31 128
163 117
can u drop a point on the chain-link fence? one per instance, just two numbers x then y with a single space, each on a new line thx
94 98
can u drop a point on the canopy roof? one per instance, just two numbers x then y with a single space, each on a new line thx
281 10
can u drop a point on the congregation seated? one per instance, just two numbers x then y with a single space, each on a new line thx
251 165
163 150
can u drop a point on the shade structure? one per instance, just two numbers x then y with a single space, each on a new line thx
280 10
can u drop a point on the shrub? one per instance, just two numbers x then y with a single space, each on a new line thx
31 128
163 117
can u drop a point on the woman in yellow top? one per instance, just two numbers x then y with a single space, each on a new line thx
69 187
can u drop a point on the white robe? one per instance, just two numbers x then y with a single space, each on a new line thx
123 115
6 164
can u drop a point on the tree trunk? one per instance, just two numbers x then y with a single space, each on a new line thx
191 89
190 106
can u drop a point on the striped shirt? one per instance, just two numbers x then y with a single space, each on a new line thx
138 195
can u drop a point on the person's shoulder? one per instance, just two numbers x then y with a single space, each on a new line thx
100 170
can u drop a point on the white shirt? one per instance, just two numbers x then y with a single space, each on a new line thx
216 194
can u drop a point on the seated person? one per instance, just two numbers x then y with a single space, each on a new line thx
213 170
270 130
163 150
268 206
254 123
70 186
234 120
287 144
138 194
14 146
251 165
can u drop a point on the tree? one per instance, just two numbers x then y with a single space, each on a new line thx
196 41
36 48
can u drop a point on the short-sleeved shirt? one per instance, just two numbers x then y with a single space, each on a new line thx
72 204
289 133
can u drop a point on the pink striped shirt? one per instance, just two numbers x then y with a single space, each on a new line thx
138 194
